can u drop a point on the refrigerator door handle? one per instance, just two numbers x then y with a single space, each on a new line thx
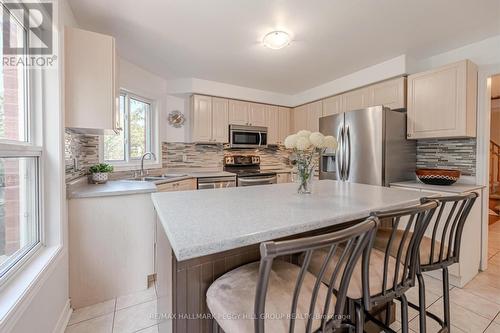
348 153
340 154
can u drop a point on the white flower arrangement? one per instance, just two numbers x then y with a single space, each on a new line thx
305 145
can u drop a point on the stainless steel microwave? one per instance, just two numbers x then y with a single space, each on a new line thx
247 136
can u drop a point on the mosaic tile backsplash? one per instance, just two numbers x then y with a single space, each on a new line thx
80 152
459 154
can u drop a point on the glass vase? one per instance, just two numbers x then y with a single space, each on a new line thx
305 176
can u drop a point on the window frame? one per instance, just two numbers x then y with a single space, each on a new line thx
30 147
151 121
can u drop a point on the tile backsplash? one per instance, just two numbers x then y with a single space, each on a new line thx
80 152
457 154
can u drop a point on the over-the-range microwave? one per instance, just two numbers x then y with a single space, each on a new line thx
247 136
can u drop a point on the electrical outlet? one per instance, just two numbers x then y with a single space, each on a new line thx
184 158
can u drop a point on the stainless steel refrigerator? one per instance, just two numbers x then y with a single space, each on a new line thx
372 149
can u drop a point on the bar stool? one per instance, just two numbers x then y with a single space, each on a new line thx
386 277
439 252
276 296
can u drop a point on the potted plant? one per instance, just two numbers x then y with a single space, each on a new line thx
306 147
99 173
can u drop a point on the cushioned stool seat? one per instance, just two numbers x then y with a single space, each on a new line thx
383 235
355 290
231 299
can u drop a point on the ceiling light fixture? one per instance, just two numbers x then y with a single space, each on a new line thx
276 40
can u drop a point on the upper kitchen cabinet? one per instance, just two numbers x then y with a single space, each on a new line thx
307 116
209 119
442 102
332 105
91 82
284 116
272 124
238 112
391 93
358 99
257 114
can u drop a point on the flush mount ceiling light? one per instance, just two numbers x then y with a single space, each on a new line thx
276 40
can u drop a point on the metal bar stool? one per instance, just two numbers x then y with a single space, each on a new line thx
277 296
439 252
387 277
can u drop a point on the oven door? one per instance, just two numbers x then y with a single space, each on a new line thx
247 137
257 180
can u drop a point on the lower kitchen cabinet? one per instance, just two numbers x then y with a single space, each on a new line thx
284 177
111 247
182 185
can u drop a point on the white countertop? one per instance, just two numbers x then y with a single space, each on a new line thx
113 187
199 223
455 188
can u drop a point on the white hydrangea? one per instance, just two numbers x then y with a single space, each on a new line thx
305 133
303 143
317 139
291 141
330 142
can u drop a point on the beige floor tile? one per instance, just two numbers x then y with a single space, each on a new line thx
494 260
412 313
135 298
462 317
152 329
412 296
102 324
494 239
92 311
135 318
431 325
492 252
493 328
434 285
495 227
479 286
475 303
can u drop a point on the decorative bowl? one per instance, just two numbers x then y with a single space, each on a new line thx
438 176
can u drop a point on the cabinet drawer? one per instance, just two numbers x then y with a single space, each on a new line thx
182 185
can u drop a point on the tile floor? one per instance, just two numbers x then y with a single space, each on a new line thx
474 308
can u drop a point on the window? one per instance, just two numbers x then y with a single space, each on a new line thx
136 136
20 222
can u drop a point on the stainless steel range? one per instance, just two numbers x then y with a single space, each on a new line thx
247 170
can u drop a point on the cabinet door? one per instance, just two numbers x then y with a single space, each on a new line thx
90 82
283 124
202 118
299 115
168 187
332 105
272 123
358 99
220 125
441 102
257 114
391 94
186 185
238 112
284 178
314 112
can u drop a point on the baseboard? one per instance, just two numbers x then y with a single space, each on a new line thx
63 320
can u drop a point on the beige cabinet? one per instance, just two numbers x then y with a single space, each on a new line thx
91 82
358 99
182 185
390 93
442 102
238 112
209 119
332 105
284 115
257 114
220 123
272 124
299 115
306 117
284 177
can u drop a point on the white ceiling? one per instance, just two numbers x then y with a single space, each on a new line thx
219 40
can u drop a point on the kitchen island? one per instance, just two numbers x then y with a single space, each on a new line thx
203 234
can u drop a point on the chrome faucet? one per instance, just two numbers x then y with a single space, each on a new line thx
151 155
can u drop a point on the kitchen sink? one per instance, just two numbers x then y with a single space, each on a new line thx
162 177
